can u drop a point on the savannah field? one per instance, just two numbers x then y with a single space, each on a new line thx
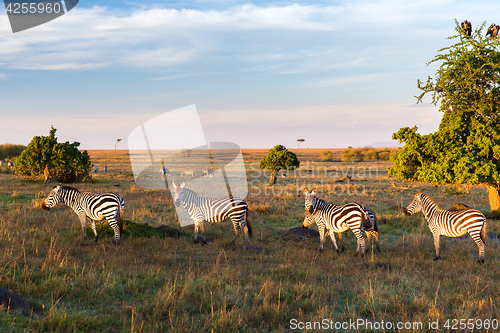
157 280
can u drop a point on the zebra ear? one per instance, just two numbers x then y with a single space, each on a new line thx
313 192
182 185
306 190
174 184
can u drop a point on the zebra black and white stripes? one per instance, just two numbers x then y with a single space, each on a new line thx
337 219
451 224
96 206
213 210
309 219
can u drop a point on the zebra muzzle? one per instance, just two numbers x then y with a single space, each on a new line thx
407 213
304 227
177 203
46 208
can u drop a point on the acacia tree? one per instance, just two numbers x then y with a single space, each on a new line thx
45 156
277 159
466 147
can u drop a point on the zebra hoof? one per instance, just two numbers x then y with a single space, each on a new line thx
480 261
96 239
342 249
437 258
321 250
195 240
116 242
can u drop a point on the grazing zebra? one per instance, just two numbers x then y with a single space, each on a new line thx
10 164
95 168
213 210
450 224
337 219
493 30
96 206
188 173
208 173
369 233
165 171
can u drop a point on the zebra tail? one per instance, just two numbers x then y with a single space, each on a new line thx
367 222
247 221
484 232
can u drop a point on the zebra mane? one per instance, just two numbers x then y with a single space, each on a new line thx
424 196
68 188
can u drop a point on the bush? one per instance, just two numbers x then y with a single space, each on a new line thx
45 156
384 155
328 156
9 150
185 152
352 155
371 154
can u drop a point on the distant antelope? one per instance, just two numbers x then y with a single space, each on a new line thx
208 173
187 173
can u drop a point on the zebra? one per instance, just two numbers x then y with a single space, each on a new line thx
450 224
1 164
337 219
10 164
105 169
165 171
208 173
96 206
213 210
188 173
95 168
309 219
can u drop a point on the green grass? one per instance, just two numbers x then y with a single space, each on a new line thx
157 280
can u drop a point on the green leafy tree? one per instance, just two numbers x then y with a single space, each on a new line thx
466 147
279 158
9 150
46 157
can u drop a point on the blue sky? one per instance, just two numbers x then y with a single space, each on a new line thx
336 73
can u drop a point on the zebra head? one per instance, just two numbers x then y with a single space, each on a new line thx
310 200
53 199
308 220
178 193
415 206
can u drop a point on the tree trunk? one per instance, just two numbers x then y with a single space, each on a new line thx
493 196
272 181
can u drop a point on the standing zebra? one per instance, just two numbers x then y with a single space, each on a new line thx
337 219
96 206
309 219
450 224
213 210
95 168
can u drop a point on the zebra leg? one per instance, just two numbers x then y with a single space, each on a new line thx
436 245
360 241
341 242
202 227
332 237
116 229
480 244
236 225
83 222
92 224
322 238
195 237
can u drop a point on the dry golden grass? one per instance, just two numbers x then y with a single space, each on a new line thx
168 284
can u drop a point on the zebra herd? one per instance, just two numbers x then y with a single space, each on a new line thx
329 217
